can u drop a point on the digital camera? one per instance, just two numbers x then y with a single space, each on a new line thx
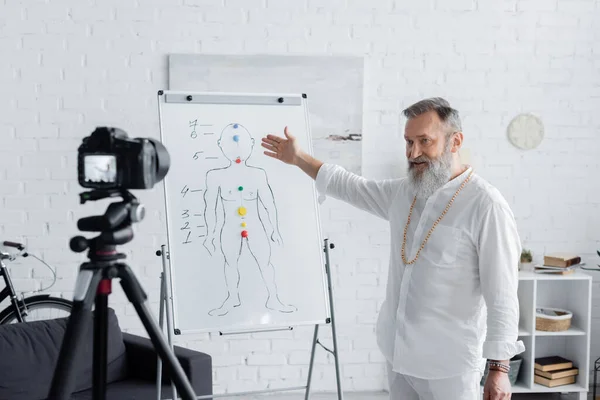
108 159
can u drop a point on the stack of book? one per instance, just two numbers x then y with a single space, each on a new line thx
554 371
559 263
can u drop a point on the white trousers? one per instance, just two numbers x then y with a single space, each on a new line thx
462 387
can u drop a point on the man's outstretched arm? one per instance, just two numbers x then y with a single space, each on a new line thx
369 195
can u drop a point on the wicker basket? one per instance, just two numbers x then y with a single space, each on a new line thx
552 319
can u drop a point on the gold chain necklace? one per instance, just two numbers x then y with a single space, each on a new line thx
434 224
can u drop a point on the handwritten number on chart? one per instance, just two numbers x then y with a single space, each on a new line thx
185 190
193 124
196 154
186 226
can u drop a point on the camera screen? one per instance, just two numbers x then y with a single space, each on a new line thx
100 168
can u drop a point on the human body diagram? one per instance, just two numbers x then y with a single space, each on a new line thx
240 214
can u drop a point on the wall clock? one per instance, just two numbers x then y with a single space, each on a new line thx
526 131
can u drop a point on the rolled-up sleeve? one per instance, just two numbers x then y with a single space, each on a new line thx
373 196
499 252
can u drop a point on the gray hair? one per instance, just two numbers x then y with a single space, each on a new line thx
447 114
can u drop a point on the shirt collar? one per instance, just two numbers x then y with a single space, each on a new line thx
458 180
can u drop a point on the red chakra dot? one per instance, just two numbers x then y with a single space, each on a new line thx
238 160
245 234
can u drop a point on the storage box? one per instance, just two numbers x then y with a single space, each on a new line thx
552 319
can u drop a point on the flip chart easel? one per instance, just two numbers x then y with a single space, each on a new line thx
166 296
185 265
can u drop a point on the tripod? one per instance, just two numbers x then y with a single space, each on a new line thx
94 283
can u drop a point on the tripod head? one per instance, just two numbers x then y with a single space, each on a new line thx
114 226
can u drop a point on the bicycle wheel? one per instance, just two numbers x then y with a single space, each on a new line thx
38 308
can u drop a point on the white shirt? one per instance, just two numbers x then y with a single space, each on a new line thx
457 305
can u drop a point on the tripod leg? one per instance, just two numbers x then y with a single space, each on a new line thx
63 382
100 339
137 297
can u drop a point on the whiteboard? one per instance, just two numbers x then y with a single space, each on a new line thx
243 229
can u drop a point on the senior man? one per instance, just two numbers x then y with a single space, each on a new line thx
451 299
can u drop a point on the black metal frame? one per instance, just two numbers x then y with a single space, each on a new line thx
9 289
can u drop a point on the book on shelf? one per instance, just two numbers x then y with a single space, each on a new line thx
559 373
554 371
561 259
552 363
553 271
551 268
567 380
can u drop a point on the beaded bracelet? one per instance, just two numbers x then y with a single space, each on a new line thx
498 366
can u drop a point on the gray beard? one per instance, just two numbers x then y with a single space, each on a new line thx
436 175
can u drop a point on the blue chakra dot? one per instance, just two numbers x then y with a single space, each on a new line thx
235 126
236 138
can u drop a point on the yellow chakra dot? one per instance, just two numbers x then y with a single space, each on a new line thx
242 210
244 224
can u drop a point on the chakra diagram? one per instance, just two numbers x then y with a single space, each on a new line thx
236 200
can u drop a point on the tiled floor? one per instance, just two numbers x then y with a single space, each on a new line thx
384 396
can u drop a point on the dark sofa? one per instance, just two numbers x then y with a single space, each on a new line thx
29 353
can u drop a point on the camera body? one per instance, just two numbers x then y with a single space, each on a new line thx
108 159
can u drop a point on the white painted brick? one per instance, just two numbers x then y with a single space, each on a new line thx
344 17
406 5
578 7
302 46
559 19
221 46
266 359
537 5
45 187
371 32
280 372
261 16
498 5
455 5
12 216
27 228
25 202
287 4
224 374
47 160
244 346
444 62
333 33
222 15
46 12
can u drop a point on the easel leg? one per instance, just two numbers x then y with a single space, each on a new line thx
161 318
336 359
165 297
312 361
335 352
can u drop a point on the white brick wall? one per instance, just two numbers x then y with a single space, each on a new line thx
67 67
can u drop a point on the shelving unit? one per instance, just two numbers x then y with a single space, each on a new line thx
571 292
